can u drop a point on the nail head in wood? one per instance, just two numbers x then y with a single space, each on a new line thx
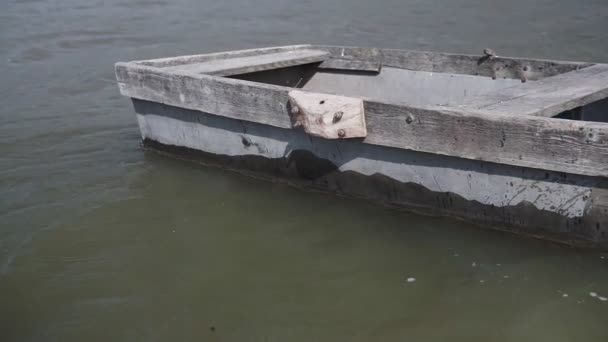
295 110
337 116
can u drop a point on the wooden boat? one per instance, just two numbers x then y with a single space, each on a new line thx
510 143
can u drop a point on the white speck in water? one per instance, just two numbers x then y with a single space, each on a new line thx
456 254
498 265
603 299
411 279
482 281
565 295
602 257
474 264
593 294
506 276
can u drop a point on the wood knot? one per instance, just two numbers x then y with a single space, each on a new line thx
341 133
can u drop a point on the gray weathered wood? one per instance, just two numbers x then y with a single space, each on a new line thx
576 147
498 67
328 116
232 98
248 64
351 64
550 96
560 145
200 58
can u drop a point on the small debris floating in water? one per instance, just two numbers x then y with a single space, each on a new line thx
474 264
410 279
482 281
595 295
506 276
565 295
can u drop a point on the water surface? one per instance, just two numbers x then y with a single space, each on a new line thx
100 240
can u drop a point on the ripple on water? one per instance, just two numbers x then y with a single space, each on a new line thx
35 54
139 3
111 41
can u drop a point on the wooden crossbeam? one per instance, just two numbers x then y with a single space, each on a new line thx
547 97
248 64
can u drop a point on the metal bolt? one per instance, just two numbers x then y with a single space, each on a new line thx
341 133
409 119
337 116
489 52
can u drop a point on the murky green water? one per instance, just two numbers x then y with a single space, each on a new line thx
101 241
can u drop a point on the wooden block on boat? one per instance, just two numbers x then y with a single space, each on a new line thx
248 64
328 116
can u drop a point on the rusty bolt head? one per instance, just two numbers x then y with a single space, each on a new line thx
409 119
341 133
337 116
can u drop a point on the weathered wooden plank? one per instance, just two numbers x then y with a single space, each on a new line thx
550 96
328 116
576 147
351 64
244 65
498 67
228 97
200 58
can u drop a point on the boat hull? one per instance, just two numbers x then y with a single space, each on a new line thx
557 206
